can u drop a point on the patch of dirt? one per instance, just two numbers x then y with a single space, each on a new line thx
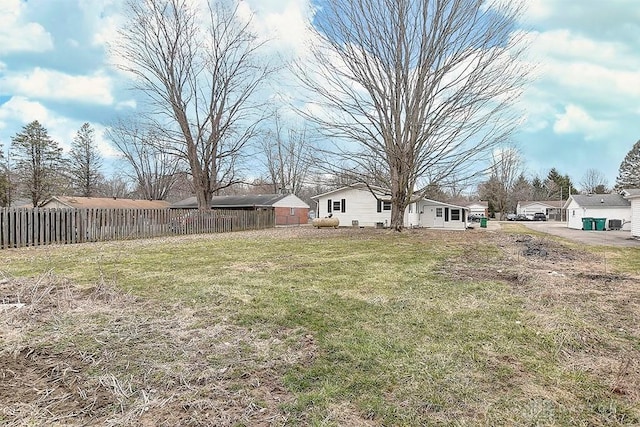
592 315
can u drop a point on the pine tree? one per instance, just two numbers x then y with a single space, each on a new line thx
85 162
629 172
38 163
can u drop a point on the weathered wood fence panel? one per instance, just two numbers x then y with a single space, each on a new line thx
32 226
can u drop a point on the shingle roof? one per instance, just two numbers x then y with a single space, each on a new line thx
110 202
243 201
632 192
552 203
601 200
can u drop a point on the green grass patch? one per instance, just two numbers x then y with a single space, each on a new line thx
397 338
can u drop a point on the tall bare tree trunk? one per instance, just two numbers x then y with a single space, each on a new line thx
410 89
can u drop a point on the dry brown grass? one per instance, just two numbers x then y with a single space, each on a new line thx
145 367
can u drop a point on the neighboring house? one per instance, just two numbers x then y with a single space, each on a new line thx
433 214
633 196
608 206
103 203
551 208
478 208
369 206
288 208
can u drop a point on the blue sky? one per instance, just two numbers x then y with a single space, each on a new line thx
581 112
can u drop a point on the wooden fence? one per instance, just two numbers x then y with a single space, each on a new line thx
33 227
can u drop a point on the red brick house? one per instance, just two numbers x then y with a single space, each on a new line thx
288 208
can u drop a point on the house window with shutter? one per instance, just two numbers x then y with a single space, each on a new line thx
386 206
455 214
337 206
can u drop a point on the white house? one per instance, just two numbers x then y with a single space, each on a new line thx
369 206
433 214
551 208
478 208
633 196
608 206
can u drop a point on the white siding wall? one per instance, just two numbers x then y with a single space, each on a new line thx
532 208
426 217
360 205
635 216
575 214
291 201
476 209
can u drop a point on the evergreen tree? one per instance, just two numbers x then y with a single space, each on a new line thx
85 162
38 163
522 191
538 191
629 172
558 186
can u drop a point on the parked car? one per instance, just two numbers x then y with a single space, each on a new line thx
539 216
522 217
475 217
511 217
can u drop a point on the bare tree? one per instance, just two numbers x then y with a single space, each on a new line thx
85 162
288 156
200 72
506 168
149 165
422 86
6 188
594 182
117 186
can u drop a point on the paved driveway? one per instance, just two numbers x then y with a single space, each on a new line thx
602 238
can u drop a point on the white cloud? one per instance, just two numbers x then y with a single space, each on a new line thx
19 111
48 84
577 120
17 35
282 23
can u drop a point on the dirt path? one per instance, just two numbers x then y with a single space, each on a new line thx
598 238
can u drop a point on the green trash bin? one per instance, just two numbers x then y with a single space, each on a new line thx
483 222
600 223
587 223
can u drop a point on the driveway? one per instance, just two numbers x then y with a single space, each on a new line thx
598 238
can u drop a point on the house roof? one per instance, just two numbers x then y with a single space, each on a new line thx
613 200
108 202
435 202
481 203
631 193
549 203
243 201
357 186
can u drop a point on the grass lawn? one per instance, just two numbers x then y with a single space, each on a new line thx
323 328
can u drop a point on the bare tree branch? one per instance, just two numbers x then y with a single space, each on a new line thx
414 87
201 73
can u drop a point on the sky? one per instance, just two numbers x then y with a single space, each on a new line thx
580 111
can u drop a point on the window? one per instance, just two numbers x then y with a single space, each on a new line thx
292 212
439 212
455 214
337 205
411 208
386 206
